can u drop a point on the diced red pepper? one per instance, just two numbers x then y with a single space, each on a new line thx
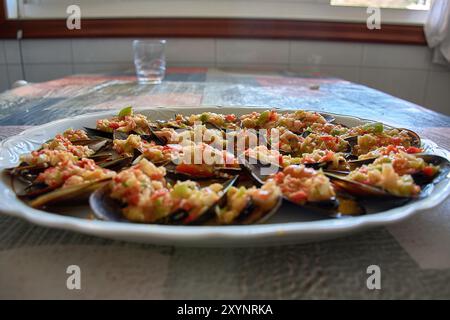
299 196
428 171
195 170
397 141
273 116
327 138
114 125
413 150
230 117
158 193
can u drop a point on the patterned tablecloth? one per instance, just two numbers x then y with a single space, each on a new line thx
414 256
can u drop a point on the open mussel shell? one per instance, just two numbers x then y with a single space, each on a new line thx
95 133
120 135
359 189
328 117
360 162
108 209
34 190
25 172
171 124
419 178
415 139
104 207
117 164
154 137
326 208
183 217
444 169
356 188
255 214
220 172
258 171
66 194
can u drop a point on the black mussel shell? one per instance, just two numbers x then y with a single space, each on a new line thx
154 137
208 213
444 169
117 164
34 190
255 169
108 209
104 207
419 178
93 133
359 189
327 208
120 135
66 194
415 139
328 117
254 214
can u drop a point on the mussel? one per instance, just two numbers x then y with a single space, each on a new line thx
64 194
200 171
249 206
366 192
108 209
420 177
260 172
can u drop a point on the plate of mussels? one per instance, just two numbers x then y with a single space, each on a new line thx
219 176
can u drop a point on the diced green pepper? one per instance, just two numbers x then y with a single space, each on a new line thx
127 111
241 192
263 117
181 190
374 127
204 117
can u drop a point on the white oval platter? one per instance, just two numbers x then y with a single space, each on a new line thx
287 227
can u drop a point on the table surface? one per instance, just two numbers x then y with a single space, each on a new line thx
414 255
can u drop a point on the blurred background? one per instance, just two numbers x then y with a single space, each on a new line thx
322 37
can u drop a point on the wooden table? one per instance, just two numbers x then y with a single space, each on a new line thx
414 256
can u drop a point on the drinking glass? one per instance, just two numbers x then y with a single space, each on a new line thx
149 60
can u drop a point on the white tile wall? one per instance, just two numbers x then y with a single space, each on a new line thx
437 95
409 84
45 72
12 52
320 53
102 50
2 53
47 51
402 70
15 73
4 81
252 51
396 56
191 51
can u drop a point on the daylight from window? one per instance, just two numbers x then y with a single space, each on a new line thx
394 4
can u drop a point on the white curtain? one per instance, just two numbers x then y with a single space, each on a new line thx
437 31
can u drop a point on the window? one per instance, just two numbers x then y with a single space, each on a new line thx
393 4
319 10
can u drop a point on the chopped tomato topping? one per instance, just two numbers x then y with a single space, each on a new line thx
428 171
396 141
299 196
158 193
413 150
327 138
195 170
114 125
230 117
273 116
